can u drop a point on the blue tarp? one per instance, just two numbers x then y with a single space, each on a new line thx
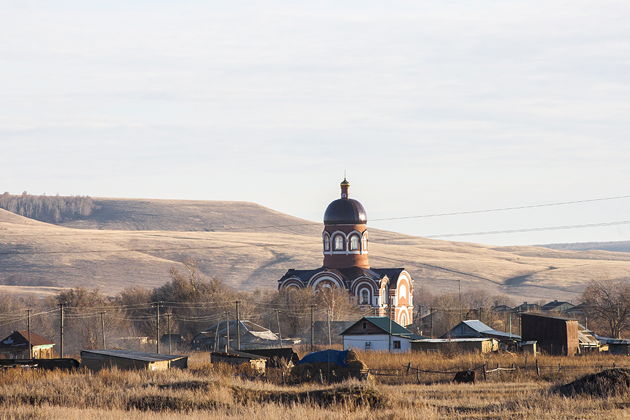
326 356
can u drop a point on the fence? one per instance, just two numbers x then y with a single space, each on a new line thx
408 371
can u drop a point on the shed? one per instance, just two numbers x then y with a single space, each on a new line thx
16 345
555 335
128 360
474 328
456 345
238 358
378 333
277 357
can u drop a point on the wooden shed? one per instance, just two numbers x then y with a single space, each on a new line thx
16 346
456 345
237 358
129 360
554 335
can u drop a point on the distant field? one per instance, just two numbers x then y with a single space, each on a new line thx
135 242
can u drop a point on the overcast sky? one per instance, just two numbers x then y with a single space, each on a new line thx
430 106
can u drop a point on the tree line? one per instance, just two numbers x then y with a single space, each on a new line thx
46 208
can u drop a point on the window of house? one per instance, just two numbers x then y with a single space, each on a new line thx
364 325
396 344
326 243
365 297
354 243
338 244
368 345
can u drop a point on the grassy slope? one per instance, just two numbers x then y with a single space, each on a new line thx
97 254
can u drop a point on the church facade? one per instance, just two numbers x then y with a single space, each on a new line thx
389 291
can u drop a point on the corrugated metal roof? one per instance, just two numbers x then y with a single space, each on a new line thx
135 355
482 328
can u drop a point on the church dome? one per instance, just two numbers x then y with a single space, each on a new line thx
345 211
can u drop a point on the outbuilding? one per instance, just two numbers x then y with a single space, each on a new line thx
474 328
16 346
131 360
555 335
378 333
456 345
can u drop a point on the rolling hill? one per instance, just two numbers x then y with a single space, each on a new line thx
134 242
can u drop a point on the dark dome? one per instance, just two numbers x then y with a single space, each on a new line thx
345 211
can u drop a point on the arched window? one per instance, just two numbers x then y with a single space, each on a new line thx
354 243
403 319
326 243
365 297
338 243
402 291
365 241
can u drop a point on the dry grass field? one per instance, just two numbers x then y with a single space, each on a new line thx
211 392
112 249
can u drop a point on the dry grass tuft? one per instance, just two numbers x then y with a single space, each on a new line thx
610 382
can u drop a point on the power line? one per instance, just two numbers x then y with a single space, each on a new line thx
491 210
536 229
219 229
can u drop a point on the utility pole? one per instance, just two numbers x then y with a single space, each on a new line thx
103 330
461 316
227 321
312 327
157 327
390 329
61 330
279 332
431 315
168 328
510 323
238 327
28 328
328 322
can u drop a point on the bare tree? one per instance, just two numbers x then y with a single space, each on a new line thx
609 303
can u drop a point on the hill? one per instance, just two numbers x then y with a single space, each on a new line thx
616 246
134 243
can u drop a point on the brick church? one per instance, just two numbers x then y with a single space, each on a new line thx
389 291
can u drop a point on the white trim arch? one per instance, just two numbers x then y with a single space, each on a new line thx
334 242
292 283
325 276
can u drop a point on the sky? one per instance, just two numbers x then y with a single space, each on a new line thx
429 106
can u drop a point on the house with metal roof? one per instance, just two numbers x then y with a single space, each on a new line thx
131 360
222 335
378 333
16 346
556 306
473 328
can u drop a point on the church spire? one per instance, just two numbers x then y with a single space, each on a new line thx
345 186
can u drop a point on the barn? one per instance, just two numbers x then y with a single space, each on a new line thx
131 360
555 335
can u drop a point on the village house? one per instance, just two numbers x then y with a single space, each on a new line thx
373 333
251 336
474 328
16 346
557 306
